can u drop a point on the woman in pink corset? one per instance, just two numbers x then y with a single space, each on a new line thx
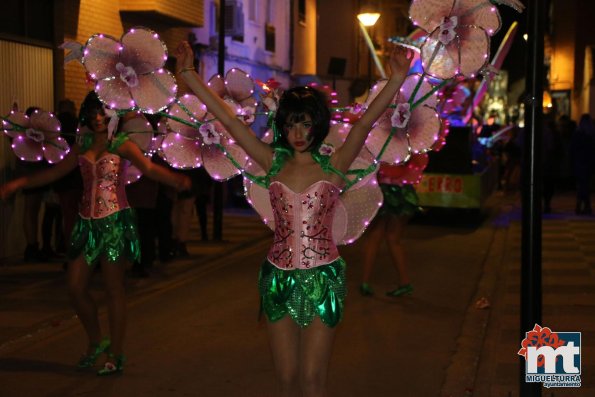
106 229
302 281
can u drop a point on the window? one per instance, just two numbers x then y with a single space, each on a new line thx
28 19
269 37
252 10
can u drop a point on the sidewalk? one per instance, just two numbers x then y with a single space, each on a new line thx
568 285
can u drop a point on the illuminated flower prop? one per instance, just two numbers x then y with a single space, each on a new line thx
459 32
412 129
237 89
182 144
35 138
129 72
408 173
194 138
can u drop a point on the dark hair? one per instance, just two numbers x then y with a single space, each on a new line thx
91 104
296 102
32 109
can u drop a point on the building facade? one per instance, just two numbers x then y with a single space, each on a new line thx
266 38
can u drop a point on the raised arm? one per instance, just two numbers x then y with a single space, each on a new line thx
254 147
131 152
400 58
43 177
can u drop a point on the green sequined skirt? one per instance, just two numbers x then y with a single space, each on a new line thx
399 200
303 294
113 236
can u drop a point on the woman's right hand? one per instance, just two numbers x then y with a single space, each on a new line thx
184 57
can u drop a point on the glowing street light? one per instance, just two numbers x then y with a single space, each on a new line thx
368 18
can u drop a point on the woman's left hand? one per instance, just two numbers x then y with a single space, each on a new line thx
399 61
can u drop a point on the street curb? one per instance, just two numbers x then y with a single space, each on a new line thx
462 370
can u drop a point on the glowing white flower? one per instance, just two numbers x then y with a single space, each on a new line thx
248 114
127 74
401 116
326 149
447 29
209 134
35 135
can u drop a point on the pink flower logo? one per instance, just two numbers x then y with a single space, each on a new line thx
129 73
538 337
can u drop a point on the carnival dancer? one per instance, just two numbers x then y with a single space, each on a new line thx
302 281
399 205
106 230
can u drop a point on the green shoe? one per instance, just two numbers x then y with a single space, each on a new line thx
113 365
88 360
366 290
406 289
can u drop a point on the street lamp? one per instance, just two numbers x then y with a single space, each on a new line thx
368 19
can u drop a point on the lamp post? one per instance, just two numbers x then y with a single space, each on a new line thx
367 20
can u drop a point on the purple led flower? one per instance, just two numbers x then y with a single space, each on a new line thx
459 31
37 137
237 90
129 72
413 131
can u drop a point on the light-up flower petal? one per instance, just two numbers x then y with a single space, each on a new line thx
129 73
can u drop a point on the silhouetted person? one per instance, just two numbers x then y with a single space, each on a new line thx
582 152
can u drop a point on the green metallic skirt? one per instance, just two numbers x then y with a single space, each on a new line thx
399 200
113 236
303 294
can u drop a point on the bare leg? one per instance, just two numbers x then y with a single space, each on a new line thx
394 232
315 353
284 342
79 276
372 243
113 275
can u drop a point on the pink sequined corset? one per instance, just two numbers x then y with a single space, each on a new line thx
103 186
303 225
